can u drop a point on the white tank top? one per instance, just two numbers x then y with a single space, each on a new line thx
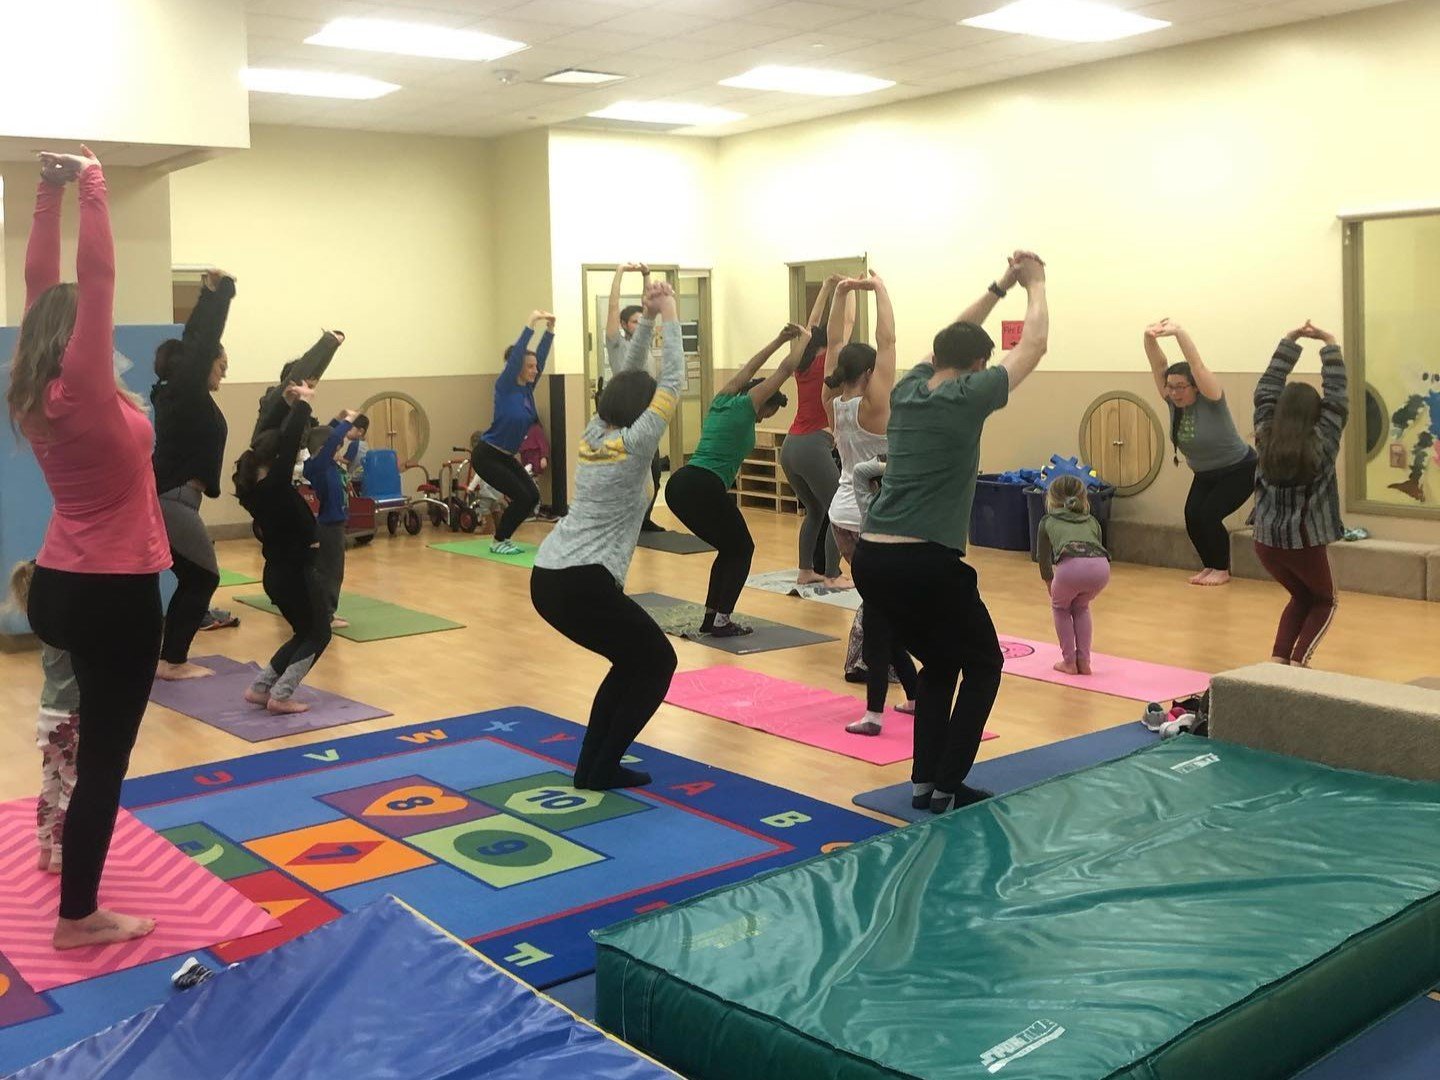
855 445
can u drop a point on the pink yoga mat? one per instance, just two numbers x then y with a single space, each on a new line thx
1109 674
144 875
803 714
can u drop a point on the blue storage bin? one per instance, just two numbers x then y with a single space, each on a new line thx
1000 517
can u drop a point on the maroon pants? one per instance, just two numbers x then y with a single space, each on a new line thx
1305 573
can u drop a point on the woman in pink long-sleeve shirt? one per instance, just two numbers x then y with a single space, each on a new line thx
96 591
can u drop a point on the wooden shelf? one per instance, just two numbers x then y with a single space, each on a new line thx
760 484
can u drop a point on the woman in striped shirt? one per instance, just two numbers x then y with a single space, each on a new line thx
1297 497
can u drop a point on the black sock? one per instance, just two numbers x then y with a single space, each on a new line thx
618 777
708 622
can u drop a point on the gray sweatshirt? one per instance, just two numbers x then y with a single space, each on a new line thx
612 479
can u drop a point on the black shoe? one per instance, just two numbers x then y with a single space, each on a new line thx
649 526
730 629
920 802
857 675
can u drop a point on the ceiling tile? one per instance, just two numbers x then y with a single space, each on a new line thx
655 27
802 15
886 26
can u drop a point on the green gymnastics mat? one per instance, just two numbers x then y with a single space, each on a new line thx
371 619
1194 910
480 549
235 577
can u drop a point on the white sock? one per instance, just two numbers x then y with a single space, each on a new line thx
876 718
921 789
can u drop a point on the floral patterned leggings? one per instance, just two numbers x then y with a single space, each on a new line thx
57 734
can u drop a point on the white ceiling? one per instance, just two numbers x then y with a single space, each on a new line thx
678 50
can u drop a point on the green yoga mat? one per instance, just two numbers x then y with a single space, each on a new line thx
371 619
480 549
234 577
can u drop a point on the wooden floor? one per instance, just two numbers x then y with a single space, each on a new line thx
507 656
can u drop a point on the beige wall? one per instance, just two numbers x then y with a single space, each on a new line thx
519 241
386 237
616 199
140 221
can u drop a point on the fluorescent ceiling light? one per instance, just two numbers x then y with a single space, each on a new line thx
793 80
579 77
1067 20
325 84
672 113
413 39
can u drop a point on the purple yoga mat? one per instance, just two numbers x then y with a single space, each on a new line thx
219 702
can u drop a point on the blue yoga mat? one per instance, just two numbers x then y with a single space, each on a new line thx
1021 769
1403 1046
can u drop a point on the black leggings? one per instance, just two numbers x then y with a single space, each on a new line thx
881 651
110 626
295 587
931 598
1214 496
655 484
507 476
195 585
698 498
586 605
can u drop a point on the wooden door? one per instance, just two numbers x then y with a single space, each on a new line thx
1121 438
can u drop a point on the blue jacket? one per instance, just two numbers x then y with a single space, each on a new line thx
515 404
325 476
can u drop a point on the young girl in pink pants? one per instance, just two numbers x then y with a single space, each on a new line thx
1075 567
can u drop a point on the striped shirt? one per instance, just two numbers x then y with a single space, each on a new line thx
1302 515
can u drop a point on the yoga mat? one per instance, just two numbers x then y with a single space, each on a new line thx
480 549
1114 675
473 821
677 543
1403 1046
235 577
784 581
144 874
1023 768
370 619
681 619
791 710
219 702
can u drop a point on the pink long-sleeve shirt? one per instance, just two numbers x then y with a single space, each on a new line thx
94 447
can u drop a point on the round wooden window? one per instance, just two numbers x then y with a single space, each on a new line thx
397 421
1377 423
1121 438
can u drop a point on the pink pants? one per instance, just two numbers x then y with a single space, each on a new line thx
1077 581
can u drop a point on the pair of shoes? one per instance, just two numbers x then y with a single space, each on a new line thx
1180 725
218 619
505 547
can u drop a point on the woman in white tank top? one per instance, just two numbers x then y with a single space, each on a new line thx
858 381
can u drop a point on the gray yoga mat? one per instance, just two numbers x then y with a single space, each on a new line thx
673 541
681 619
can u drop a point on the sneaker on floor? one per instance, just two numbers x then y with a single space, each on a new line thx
1155 715
857 675
191 973
505 547
864 727
730 629
218 619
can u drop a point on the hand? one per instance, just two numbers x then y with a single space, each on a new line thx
60 169
1310 330
1011 276
791 331
1029 271
644 269
631 268
346 416
298 392
654 299
213 277
874 283
832 280
338 335
1163 328
798 341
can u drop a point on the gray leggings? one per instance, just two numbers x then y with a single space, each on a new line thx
811 470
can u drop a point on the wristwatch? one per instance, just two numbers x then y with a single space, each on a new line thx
995 288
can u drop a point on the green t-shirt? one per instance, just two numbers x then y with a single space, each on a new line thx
728 436
934 455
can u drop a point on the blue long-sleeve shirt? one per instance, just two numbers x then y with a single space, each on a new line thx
325 476
515 404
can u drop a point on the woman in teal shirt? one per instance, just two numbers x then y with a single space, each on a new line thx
699 492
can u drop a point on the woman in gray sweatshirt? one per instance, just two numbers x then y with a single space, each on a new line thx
578 584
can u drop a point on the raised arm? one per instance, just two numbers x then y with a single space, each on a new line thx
637 350
317 358
1205 380
978 311
1020 361
882 379
42 252
87 373
1335 392
776 379
547 338
1155 354
827 290
756 362
612 313
837 333
1272 384
515 358
204 328
643 436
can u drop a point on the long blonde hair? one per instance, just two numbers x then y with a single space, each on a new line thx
1067 493
44 334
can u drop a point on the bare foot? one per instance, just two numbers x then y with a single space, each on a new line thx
44 863
840 581
1082 666
1066 668
808 577
171 672
257 697
338 623
906 707
101 928
1202 577
1280 660
285 705
1217 577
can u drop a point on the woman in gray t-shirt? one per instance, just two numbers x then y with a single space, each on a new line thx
1202 429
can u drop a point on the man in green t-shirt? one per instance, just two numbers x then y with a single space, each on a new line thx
909 563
